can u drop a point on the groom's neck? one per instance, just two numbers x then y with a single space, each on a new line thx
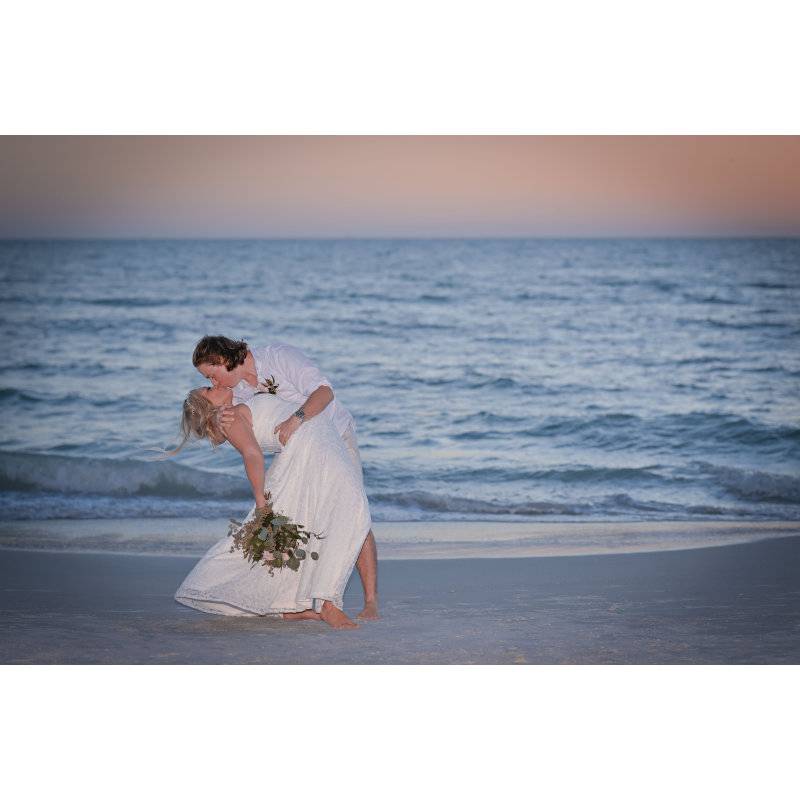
250 373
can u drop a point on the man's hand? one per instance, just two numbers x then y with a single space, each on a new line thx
287 428
225 416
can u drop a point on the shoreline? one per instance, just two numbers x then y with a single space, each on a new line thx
434 540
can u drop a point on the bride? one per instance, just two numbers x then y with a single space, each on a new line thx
311 480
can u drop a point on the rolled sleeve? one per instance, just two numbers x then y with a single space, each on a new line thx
299 369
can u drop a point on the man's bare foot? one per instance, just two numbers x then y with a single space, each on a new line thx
307 614
370 611
335 617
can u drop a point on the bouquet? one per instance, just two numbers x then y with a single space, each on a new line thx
272 540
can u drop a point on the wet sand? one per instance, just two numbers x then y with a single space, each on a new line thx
734 604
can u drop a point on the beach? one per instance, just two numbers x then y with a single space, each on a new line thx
574 450
731 604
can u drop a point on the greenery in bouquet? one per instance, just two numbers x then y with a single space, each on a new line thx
272 540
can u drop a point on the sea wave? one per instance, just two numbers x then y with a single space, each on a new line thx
755 485
430 501
18 396
650 475
430 505
692 431
77 486
31 472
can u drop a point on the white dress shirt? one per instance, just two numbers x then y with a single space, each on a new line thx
297 376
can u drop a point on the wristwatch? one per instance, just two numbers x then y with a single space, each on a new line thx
300 414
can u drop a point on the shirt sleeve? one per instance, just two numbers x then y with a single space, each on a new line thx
299 369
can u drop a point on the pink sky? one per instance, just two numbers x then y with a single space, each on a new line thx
426 186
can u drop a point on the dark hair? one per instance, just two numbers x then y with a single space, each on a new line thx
219 350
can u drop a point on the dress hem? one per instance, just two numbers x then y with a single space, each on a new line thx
189 600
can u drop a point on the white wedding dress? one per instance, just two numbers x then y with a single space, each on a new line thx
313 481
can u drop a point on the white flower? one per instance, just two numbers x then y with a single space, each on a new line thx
267 385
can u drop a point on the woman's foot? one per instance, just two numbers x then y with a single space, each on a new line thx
307 614
370 611
335 617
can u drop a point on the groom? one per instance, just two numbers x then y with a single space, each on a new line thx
296 378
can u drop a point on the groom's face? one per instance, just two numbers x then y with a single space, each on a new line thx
218 375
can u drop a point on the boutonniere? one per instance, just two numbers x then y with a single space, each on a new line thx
268 385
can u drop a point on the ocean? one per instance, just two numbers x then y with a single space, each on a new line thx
491 380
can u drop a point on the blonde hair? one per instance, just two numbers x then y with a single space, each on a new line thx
198 421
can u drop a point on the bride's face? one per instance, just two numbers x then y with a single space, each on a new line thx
218 395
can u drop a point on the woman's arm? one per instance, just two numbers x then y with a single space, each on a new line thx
240 435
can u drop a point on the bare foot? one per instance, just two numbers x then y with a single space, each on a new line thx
335 617
307 614
370 611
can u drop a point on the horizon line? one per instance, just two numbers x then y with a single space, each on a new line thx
539 237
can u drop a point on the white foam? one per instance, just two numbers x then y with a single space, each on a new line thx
402 540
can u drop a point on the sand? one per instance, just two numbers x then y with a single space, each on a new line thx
734 604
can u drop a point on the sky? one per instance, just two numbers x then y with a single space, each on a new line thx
398 186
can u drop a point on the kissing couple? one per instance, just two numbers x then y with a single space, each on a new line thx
275 399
